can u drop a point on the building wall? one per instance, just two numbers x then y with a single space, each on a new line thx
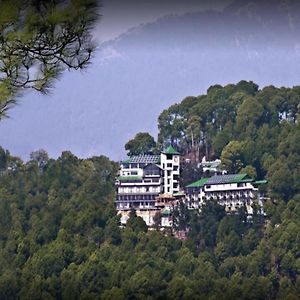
146 215
232 196
170 165
228 187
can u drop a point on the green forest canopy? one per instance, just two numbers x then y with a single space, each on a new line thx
59 233
245 127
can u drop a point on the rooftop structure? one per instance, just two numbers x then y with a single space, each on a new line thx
171 150
143 159
229 178
198 184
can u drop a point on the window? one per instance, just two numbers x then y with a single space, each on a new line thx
134 173
169 156
168 173
175 168
169 165
208 186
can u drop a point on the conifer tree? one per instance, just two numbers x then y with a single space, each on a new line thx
39 39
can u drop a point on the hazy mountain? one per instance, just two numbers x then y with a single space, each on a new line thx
152 66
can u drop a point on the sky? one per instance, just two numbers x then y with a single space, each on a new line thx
152 54
119 16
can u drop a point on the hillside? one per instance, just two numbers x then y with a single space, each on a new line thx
60 239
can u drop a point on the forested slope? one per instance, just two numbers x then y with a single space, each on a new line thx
60 239
246 127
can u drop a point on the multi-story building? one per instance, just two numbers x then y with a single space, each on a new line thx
145 182
232 191
149 184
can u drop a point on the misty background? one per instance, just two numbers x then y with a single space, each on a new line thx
152 54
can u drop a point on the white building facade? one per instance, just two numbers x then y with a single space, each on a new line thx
233 191
149 184
143 181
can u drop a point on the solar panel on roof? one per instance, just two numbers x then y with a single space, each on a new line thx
219 179
146 159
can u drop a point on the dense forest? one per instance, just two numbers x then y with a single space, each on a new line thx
251 130
60 236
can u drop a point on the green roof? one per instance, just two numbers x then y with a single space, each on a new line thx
260 182
229 178
197 184
171 150
123 178
221 179
143 158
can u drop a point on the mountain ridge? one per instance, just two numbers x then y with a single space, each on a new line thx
134 77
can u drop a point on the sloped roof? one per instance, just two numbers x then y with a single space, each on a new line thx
259 182
229 178
171 150
143 159
147 166
197 184
220 179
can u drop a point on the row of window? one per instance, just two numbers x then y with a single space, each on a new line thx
134 166
136 204
229 194
242 184
146 189
153 180
175 168
135 197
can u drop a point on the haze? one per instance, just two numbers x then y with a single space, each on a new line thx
144 65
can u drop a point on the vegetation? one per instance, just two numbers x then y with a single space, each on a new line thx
38 40
244 126
142 143
60 237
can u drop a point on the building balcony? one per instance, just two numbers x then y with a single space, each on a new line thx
141 183
139 193
134 201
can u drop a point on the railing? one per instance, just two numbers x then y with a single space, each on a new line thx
151 173
139 193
